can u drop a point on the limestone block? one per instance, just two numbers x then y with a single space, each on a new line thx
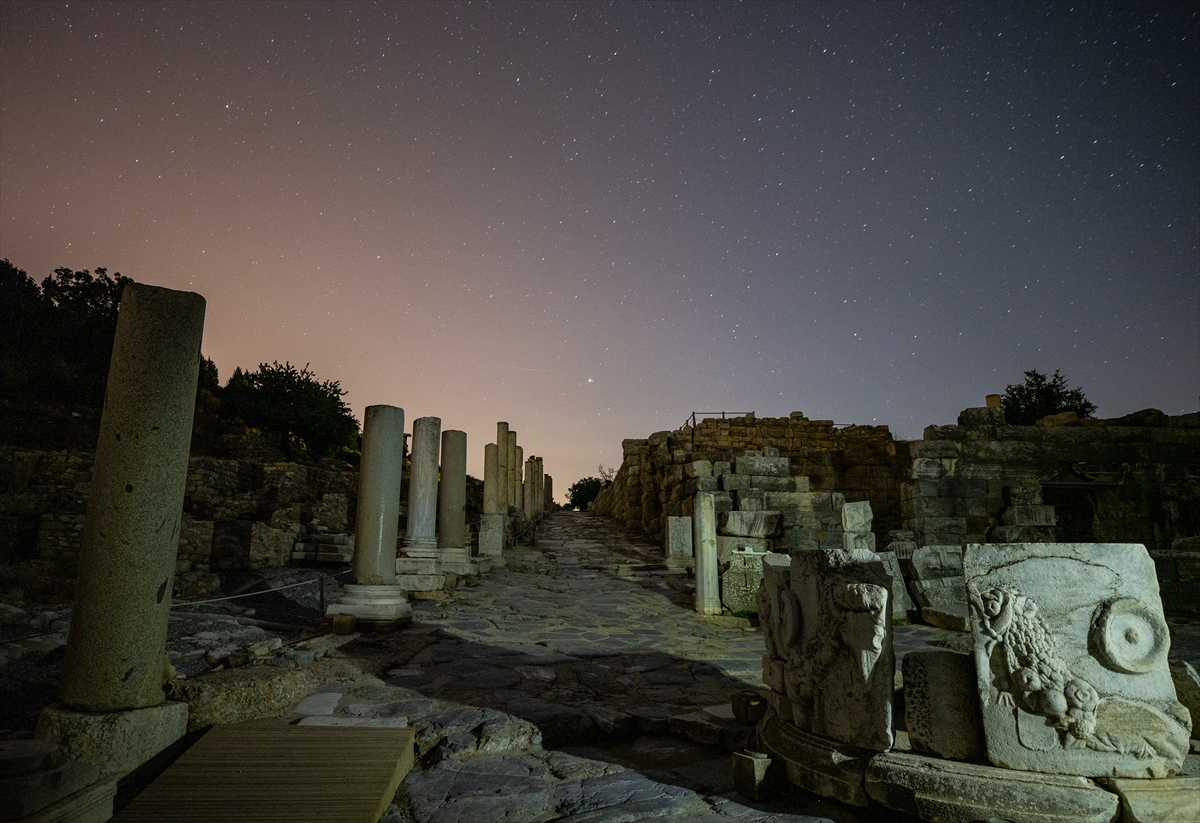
757 776
679 541
722 467
699 468
34 790
757 463
945 790
840 675
801 483
982 416
748 524
270 548
778 613
726 545
790 505
932 562
491 537
814 763
901 603
1167 800
941 704
751 500
722 502
852 541
941 591
739 583
1187 691
1071 655
856 517
115 742
1029 516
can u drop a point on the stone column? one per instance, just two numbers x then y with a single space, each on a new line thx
116 648
503 486
452 505
420 538
548 493
541 488
512 469
708 595
374 597
491 501
519 481
528 493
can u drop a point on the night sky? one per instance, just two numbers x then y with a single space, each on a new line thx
591 219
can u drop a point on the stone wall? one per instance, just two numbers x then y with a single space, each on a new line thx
861 462
238 513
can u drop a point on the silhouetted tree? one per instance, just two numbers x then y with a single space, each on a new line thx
584 491
1038 396
291 402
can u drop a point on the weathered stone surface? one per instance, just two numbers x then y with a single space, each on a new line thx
937 562
840 673
1167 800
856 517
24 794
761 463
901 603
489 731
708 599
115 742
483 789
941 704
757 775
946 790
1187 690
815 763
679 542
940 592
748 523
740 582
1071 656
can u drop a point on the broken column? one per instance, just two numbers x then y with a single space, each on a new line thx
519 481
528 495
113 712
419 569
374 597
547 492
708 596
511 464
452 506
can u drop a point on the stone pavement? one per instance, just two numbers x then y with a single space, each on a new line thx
577 684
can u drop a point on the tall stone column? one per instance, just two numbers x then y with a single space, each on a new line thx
512 468
708 594
452 506
374 597
420 538
548 491
540 488
504 486
491 502
116 648
519 481
529 486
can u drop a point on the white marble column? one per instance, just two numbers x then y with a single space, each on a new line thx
115 665
708 593
374 597
420 538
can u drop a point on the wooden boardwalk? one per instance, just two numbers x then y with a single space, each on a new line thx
265 772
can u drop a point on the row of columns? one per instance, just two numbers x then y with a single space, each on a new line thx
511 483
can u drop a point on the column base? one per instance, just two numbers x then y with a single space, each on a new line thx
420 547
115 742
420 574
376 606
458 560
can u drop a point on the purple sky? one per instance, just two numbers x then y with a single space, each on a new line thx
592 219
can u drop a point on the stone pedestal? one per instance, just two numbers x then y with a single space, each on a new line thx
708 596
452 506
420 538
420 574
679 543
377 599
491 539
115 649
491 481
115 742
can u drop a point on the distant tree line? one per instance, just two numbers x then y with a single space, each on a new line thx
56 342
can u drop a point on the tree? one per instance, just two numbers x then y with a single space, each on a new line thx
584 491
291 402
1039 396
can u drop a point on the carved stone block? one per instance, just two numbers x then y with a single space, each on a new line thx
1071 660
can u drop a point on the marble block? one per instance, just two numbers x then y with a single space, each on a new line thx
739 583
936 562
679 542
941 591
1169 800
761 464
840 672
1071 659
778 614
748 523
856 517
941 704
372 604
901 603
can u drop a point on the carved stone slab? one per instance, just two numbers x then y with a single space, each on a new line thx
840 672
1071 659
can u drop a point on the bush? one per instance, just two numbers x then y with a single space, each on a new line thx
1038 396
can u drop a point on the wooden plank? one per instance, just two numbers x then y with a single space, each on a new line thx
258 773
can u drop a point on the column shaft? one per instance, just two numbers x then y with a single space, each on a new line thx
708 594
378 518
420 537
452 496
491 500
